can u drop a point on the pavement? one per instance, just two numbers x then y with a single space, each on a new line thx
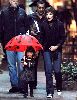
39 93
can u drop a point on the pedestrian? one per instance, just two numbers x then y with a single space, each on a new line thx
13 21
36 19
65 16
27 75
1 57
52 38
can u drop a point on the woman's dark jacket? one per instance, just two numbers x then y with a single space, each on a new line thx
12 23
52 34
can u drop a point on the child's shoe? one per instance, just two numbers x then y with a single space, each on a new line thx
25 95
14 90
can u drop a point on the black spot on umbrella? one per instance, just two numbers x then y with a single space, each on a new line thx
31 38
16 39
17 47
9 46
19 41
37 42
10 41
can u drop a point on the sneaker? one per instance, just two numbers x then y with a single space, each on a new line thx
13 90
50 96
59 92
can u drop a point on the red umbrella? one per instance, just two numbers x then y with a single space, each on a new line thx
21 42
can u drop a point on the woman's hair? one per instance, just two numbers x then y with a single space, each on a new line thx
50 9
30 49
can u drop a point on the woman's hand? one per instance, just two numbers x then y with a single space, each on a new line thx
53 48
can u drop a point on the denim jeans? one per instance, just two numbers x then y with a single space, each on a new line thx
53 64
15 66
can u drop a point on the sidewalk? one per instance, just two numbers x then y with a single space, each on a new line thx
39 93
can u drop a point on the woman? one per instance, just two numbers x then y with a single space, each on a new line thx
52 37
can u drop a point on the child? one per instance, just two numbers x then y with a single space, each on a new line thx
27 75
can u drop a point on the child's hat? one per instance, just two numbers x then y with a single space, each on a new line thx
30 49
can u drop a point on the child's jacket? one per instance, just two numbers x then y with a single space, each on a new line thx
28 70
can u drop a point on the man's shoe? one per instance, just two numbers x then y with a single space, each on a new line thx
59 92
50 96
13 90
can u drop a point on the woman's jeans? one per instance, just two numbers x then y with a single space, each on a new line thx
14 65
52 62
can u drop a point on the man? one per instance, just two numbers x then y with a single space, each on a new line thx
13 21
35 21
53 37
38 15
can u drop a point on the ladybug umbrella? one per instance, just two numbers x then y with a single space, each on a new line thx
21 42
